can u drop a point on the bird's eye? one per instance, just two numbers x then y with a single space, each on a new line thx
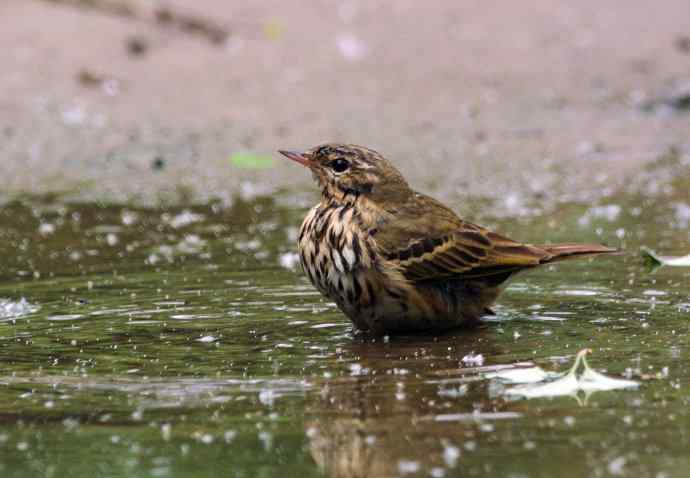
339 165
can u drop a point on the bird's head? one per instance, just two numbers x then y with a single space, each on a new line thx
346 171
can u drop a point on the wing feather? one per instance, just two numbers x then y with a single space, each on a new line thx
427 241
469 251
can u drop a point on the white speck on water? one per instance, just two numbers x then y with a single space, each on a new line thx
22 446
682 213
461 391
70 423
251 245
129 218
512 201
111 239
289 260
46 228
268 397
407 466
185 218
437 472
616 466
266 439
191 244
474 360
351 47
450 455
357 369
166 431
152 259
207 339
205 438
609 212
229 436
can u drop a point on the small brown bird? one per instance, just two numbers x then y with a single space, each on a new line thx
395 260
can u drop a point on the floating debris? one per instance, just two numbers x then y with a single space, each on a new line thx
653 260
10 309
473 360
536 383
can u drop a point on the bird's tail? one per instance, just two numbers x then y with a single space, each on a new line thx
564 252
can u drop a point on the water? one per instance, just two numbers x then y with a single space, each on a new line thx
148 343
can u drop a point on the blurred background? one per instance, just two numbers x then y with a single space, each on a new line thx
166 101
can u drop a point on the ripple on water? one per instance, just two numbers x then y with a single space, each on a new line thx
66 317
325 325
578 292
113 311
195 316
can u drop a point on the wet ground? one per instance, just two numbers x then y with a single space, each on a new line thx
147 101
182 342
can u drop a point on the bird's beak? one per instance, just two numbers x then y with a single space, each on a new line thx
297 157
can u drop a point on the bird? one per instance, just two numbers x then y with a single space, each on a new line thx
396 261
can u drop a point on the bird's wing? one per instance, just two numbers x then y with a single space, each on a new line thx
436 244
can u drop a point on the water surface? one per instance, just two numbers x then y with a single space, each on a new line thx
185 342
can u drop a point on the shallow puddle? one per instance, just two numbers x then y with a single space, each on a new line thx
149 343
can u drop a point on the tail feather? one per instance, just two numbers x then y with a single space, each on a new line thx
562 252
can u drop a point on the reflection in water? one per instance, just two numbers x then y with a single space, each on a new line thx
179 342
384 422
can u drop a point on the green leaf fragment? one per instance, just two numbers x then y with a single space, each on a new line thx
251 161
